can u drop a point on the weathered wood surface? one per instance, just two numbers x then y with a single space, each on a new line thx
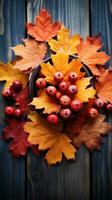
89 177
101 166
69 180
12 29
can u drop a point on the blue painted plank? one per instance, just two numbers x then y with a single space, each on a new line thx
12 29
69 180
101 22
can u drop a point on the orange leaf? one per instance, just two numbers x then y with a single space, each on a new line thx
91 133
44 29
84 93
9 74
104 86
61 63
31 54
89 54
65 43
49 138
44 101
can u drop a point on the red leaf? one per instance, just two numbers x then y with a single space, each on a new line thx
44 29
19 144
22 99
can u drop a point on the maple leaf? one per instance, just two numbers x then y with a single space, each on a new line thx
9 74
44 29
104 86
44 101
91 133
65 43
31 54
14 131
88 52
49 138
61 63
84 93
22 99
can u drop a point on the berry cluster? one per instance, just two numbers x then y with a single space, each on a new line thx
63 92
10 94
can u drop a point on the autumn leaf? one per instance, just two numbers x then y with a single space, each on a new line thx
14 131
65 43
61 63
91 133
22 99
84 93
44 101
31 54
88 52
43 29
9 74
49 138
104 86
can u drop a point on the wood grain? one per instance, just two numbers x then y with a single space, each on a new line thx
69 180
12 29
101 179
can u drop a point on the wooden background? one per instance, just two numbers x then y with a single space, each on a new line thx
90 176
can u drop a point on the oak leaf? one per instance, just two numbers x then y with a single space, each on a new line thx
104 86
31 54
9 74
44 101
49 138
88 52
84 93
91 132
61 63
44 29
65 43
14 131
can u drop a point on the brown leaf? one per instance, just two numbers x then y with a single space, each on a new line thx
44 29
91 133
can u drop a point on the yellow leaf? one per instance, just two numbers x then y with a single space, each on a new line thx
44 101
65 43
9 74
31 53
49 138
84 93
61 63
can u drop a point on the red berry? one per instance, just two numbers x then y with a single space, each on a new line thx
7 93
41 83
76 105
72 89
58 95
17 112
58 77
52 118
99 103
63 86
51 90
9 110
65 100
93 112
73 76
65 113
17 86
109 107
